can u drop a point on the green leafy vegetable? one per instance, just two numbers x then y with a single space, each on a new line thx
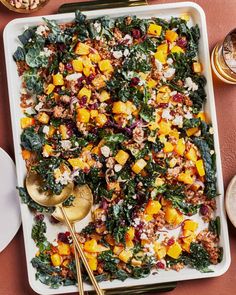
30 140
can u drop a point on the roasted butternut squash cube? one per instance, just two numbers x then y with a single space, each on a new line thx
202 116
180 147
93 113
188 236
178 219
160 250
119 107
86 71
56 259
172 162
168 147
200 168
135 262
83 115
162 97
186 247
163 47
95 57
174 250
159 181
26 122
118 249
139 165
49 89
185 178
190 225
104 96
78 163
63 249
43 118
99 82
26 154
151 83
101 120
47 150
91 246
177 49
105 65
191 131
63 130
164 127
129 235
130 107
153 207
154 29
125 255
153 125
165 89
148 217
93 263
161 56
191 155
77 65
197 67
58 79
174 133
122 157
85 92
170 215
171 35
82 49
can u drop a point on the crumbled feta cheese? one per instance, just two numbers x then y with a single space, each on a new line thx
169 61
46 129
166 114
38 106
98 27
129 207
212 152
143 236
47 52
103 218
105 150
136 221
134 197
169 73
128 38
211 130
126 52
117 54
190 84
23 91
159 65
117 167
120 202
41 29
188 115
173 93
178 120
66 144
64 178
73 77
54 243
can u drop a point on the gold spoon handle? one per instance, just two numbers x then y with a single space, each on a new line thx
78 269
81 253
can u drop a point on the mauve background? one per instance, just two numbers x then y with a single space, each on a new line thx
220 15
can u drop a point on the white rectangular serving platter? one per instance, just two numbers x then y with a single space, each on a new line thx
15 28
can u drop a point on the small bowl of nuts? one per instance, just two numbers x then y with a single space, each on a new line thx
24 6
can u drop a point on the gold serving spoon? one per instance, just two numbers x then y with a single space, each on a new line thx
47 199
79 209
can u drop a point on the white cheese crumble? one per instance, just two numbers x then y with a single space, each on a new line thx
103 218
117 167
73 77
46 129
136 221
41 29
190 85
66 144
159 65
105 150
166 114
188 115
128 38
178 120
98 27
169 61
143 236
211 130
169 73
126 52
46 52
38 106
64 178
117 54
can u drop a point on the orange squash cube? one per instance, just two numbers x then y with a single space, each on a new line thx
185 178
85 92
47 150
49 89
186 247
78 163
43 118
154 29
82 49
188 236
168 147
93 113
101 120
93 263
200 168
105 65
161 56
197 67
83 115
180 147
171 35
118 249
121 157
163 47
63 249
170 215
104 96
202 116
58 79
151 83
153 207
174 250
119 107
191 131
164 127
91 246
125 255
191 155
129 235
95 57
26 122
56 259
77 65
190 225
177 49
63 131
26 154
139 165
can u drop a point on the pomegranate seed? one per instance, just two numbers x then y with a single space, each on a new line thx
39 217
134 81
136 33
204 209
160 265
182 42
83 100
67 233
178 97
62 237
57 89
69 67
80 81
171 241
163 105
90 78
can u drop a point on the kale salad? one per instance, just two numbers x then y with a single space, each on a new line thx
118 104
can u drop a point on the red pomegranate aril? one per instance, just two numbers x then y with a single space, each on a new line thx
170 242
160 265
39 217
69 67
178 97
182 42
204 209
62 237
134 81
136 33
